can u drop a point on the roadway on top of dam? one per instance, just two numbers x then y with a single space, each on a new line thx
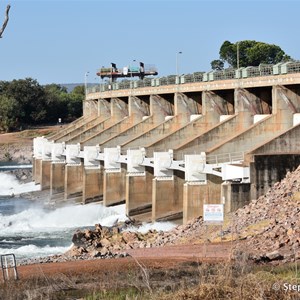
251 82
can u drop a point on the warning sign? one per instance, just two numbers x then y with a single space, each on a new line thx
213 213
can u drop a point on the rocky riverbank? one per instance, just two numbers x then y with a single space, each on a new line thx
15 153
17 149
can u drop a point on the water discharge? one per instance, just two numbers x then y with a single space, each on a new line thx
9 186
29 229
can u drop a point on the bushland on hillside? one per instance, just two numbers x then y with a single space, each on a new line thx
25 103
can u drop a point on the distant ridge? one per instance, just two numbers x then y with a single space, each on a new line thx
70 86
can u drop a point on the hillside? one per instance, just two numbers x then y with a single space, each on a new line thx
70 86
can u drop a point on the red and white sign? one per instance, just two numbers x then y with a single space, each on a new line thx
213 213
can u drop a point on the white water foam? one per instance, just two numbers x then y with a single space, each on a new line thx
36 232
28 250
14 167
158 226
10 186
38 219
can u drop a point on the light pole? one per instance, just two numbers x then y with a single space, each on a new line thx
101 80
85 82
130 69
177 62
238 55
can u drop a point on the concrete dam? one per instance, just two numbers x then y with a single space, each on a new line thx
167 146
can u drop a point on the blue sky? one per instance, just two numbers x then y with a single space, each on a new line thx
59 41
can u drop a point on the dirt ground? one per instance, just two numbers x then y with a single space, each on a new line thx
153 258
17 147
25 137
151 271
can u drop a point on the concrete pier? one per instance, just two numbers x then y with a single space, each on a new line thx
37 168
195 195
73 183
57 180
139 193
92 190
57 171
45 174
73 186
167 196
92 185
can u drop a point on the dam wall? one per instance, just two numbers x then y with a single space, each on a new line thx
167 150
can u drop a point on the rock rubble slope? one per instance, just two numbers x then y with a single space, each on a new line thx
270 225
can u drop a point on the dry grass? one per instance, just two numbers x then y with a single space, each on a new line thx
191 280
236 282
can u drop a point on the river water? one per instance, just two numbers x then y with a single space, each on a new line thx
29 229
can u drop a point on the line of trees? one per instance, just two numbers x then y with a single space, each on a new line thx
248 53
25 103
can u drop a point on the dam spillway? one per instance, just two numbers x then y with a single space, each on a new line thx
167 149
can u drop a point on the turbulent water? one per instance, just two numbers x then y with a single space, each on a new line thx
9 185
30 230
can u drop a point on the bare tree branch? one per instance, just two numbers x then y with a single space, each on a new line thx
5 21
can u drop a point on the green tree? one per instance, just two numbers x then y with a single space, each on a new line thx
25 102
56 107
64 105
74 104
30 96
79 89
9 113
217 64
250 53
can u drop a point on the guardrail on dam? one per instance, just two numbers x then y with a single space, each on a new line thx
166 150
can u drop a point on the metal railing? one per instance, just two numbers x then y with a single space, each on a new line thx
234 157
230 73
9 266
